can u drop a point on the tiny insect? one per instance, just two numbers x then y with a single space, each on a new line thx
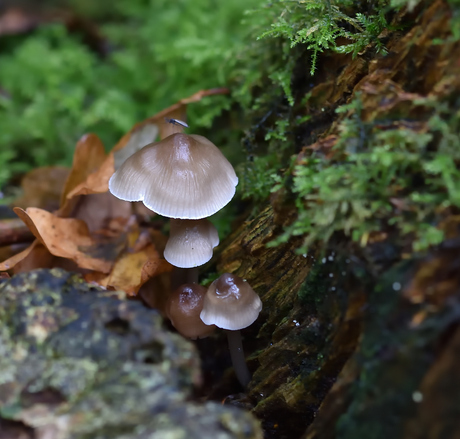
176 122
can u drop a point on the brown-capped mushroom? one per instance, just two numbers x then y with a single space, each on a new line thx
230 303
190 242
183 309
182 176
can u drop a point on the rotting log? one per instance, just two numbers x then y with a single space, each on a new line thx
308 327
359 342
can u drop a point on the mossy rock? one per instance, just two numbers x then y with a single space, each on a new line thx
77 362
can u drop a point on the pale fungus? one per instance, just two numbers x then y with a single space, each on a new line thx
182 176
190 242
230 303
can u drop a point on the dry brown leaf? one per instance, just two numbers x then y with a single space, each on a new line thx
13 260
36 256
132 270
42 188
135 267
96 182
155 292
89 157
136 139
175 111
98 210
65 237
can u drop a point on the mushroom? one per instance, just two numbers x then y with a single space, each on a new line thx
183 309
190 242
182 176
230 303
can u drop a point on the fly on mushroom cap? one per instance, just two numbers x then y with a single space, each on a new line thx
182 176
230 303
183 309
190 242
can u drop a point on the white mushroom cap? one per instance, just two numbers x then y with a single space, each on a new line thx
230 303
182 176
190 242
183 309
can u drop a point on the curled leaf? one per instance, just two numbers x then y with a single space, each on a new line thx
65 237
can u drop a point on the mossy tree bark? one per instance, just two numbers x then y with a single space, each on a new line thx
359 340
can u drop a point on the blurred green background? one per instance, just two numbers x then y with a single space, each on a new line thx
84 66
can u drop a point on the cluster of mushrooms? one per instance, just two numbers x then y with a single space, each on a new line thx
187 178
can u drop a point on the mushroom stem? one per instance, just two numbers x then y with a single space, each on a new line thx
235 345
180 276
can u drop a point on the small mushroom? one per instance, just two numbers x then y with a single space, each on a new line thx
182 176
183 309
230 303
190 242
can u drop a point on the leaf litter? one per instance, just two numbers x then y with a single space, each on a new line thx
91 231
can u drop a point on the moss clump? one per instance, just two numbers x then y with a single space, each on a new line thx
381 177
393 166
278 71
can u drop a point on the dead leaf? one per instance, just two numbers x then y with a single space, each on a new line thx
99 236
36 256
65 237
175 111
88 158
136 140
132 270
42 188
98 210
155 292
96 182
13 260
135 267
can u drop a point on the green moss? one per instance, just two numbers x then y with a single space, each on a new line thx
316 285
55 88
320 24
381 178
289 33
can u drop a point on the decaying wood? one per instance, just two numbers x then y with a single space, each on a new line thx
345 349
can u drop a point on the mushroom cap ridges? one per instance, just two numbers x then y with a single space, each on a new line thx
190 242
182 176
183 309
230 303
